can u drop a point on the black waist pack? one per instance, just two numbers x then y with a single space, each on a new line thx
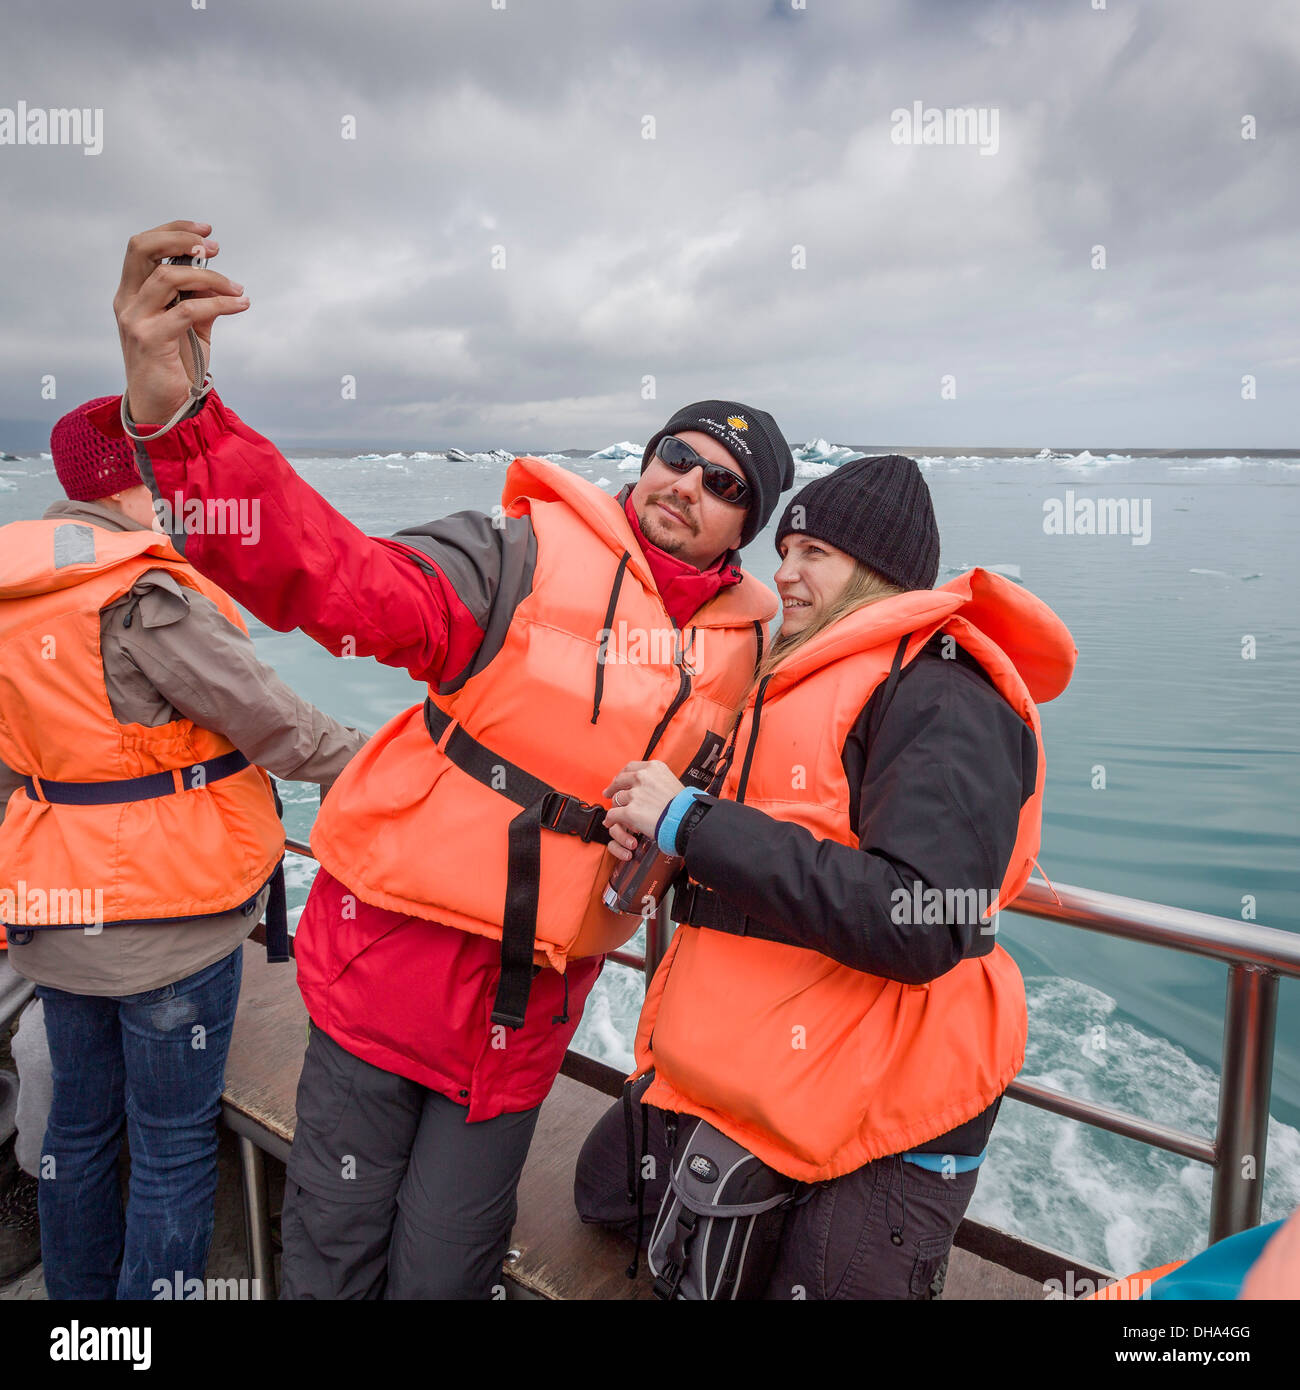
720 1222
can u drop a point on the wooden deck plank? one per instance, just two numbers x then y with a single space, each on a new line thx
971 1278
559 1256
267 1045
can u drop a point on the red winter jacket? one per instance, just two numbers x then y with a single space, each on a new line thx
422 603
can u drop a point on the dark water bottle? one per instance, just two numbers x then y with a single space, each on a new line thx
644 876
637 885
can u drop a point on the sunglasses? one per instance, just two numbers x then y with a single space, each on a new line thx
720 481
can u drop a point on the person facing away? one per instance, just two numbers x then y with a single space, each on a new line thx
139 845
836 1001
456 927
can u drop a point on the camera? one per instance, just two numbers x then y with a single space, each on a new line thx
200 261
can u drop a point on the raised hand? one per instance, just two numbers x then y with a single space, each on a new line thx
159 365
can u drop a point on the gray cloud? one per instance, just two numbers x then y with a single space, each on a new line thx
671 257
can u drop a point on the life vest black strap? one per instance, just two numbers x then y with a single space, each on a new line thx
192 778
277 919
698 906
276 933
891 684
544 808
277 903
753 738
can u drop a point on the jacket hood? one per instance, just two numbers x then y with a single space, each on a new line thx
1033 638
536 480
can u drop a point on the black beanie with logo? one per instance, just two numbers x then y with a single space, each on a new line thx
879 511
752 438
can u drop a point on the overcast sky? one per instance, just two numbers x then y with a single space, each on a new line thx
523 128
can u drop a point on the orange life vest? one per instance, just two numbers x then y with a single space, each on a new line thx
407 828
1135 1286
815 1067
201 851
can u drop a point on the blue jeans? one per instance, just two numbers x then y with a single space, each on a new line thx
156 1062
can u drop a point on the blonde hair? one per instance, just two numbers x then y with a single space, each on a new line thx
864 586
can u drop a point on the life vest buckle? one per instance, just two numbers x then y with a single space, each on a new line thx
569 816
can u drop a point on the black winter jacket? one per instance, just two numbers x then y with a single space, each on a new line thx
937 779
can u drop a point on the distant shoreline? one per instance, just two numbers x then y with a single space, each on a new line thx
871 450
1097 451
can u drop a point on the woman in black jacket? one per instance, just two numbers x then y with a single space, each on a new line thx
903 809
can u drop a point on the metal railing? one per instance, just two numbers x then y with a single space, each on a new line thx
1256 957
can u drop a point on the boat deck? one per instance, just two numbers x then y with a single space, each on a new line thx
553 1255
548 1234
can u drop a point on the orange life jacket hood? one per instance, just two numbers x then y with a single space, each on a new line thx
1028 633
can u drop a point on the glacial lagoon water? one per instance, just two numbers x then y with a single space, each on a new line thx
1173 775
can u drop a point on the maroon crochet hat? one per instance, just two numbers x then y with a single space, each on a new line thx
90 465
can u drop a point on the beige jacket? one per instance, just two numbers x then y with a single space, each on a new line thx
180 658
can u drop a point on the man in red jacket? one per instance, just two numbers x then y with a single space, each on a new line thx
416 1106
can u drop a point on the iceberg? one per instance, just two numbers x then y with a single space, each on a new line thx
820 451
615 452
490 456
1011 572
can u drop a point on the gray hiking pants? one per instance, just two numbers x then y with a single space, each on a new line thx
389 1192
882 1232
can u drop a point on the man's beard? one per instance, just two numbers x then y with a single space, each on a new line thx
651 527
